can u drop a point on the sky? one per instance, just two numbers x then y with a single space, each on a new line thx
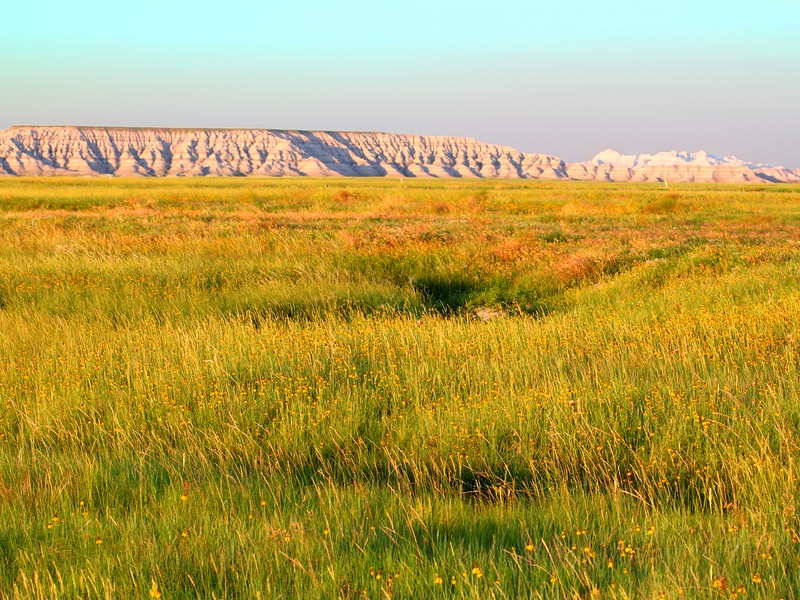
569 78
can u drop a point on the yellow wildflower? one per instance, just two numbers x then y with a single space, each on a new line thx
154 591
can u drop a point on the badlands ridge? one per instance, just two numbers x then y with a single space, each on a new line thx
92 151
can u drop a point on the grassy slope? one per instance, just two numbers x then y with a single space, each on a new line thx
228 387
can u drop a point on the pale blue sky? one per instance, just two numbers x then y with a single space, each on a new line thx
568 78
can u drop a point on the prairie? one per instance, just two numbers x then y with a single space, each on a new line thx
365 388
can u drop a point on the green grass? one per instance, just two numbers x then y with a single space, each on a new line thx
287 388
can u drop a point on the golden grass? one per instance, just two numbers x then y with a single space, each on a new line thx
368 388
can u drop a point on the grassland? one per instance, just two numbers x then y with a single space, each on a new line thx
362 388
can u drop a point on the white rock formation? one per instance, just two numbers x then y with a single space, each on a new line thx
259 152
267 152
670 159
677 166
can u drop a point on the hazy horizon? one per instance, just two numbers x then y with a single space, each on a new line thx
570 79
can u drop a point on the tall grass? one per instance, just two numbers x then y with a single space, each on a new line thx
380 389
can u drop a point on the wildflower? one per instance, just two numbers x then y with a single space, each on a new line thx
154 591
98 541
437 580
476 570
529 547
757 578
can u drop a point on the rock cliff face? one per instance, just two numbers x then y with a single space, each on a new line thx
259 152
268 152
676 167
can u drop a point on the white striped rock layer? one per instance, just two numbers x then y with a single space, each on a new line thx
259 152
152 152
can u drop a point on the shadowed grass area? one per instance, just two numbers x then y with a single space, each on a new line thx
368 388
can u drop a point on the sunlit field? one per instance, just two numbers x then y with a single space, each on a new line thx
411 389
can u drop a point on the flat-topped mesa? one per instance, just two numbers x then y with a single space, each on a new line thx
158 152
